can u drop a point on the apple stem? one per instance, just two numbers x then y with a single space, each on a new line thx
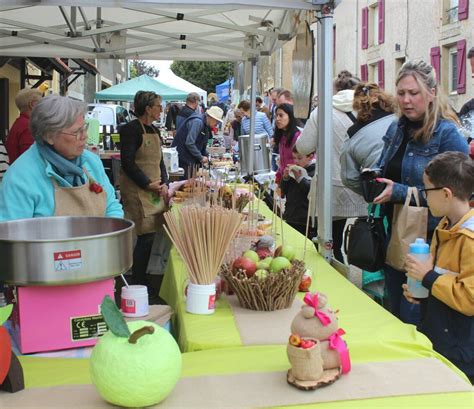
139 333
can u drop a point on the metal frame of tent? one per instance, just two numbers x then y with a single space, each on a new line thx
232 30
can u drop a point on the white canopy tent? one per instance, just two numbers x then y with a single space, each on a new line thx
221 30
169 78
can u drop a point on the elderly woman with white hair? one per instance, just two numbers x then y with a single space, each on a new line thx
57 176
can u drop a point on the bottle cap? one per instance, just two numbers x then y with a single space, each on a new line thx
419 247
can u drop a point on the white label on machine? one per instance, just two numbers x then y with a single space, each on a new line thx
67 260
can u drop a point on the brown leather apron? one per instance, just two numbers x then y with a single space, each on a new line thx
140 205
79 200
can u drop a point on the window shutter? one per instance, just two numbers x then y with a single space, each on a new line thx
461 60
381 73
435 54
364 72
365 28
381 8
463 9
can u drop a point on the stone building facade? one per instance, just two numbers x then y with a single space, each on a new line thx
373 38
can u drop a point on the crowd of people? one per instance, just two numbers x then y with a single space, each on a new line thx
411 139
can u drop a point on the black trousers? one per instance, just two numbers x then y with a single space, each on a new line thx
141 256
338 238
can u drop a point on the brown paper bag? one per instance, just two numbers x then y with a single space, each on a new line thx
408 223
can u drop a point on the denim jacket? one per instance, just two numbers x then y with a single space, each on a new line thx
446 137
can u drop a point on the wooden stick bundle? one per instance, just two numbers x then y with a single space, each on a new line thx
202 236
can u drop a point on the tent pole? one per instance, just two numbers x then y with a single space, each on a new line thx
253 110
325 129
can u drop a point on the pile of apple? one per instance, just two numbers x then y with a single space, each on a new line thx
263 262
298 342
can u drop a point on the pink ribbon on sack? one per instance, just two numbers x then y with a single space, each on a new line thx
336 342
313 301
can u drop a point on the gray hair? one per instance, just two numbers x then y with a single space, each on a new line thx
53 114
193 97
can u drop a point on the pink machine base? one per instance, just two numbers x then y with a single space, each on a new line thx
59 317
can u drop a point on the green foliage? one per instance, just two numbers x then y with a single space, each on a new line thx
204 74
140 67
113 318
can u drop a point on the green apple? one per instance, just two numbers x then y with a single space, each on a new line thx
278 264
136 374
262 265
252 255
286 251
261 274
268 260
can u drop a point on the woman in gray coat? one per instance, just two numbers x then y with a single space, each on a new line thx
364 144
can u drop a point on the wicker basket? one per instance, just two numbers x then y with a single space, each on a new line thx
275 292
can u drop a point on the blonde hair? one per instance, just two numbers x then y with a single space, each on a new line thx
438 108
369 96
25 97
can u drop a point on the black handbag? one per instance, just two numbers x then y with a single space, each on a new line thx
364 243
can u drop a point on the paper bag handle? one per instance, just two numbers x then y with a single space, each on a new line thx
412 191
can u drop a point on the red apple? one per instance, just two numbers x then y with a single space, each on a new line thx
307 343
244 264
264 253
305 283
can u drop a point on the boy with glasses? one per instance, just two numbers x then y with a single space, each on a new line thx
448 312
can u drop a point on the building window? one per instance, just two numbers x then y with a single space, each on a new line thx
398 64
373 24
374 73
451 8
453 70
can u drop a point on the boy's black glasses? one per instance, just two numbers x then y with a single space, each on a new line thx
423 191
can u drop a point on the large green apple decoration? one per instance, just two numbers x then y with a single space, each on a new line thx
135 364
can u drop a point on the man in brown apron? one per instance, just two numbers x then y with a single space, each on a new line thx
143 178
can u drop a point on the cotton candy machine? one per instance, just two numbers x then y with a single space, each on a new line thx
58 270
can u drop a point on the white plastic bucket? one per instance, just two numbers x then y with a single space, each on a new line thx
135 301
201 299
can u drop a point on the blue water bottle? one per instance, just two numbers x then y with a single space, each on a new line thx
421 250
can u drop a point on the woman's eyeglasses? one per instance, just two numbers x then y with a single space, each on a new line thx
80 132
425 195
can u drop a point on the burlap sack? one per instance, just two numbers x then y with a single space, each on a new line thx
408 223
306 364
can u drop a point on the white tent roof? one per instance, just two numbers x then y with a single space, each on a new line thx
147 29
169 78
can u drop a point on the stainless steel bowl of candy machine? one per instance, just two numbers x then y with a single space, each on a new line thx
64 250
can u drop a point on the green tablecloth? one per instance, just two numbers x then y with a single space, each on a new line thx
48 372
373 335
